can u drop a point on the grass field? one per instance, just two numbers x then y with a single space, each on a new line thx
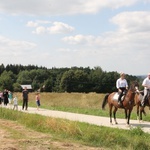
78 103
89 135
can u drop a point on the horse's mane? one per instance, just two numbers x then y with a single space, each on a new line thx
133 85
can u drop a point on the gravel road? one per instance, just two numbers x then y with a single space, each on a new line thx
96 120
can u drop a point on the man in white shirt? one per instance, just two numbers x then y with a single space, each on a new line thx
146 85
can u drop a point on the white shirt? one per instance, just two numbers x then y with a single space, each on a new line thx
146 82
121 83
15 101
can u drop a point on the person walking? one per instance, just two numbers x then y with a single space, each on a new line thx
25 99
37 99
10 97
1 97
5 95
146 85
15 100
121 85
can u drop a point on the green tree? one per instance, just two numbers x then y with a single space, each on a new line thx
17 87
96 77
24 77
67 81
6 80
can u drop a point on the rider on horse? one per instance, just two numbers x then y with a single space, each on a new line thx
122 86
146 85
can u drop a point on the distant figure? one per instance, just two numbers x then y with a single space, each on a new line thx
15 100
25 99
1 97
5 95
10 97
37 99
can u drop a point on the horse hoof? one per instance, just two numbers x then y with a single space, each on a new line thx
128 125
141 121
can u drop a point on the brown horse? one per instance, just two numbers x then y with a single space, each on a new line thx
140 109
127 103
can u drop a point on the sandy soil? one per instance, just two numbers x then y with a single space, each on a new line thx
14 136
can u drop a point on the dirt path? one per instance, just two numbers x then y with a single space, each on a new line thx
96 120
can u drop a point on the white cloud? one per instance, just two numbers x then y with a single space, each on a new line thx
57 7
40 30
9 45
32 24
134 28
37 23
60 27
80 39
132 21
56 28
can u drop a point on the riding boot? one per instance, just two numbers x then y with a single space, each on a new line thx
142 103
119 101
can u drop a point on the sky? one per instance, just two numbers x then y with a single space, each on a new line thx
111 34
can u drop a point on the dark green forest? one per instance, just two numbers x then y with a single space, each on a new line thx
74 79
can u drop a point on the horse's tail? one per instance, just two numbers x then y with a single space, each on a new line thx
105 100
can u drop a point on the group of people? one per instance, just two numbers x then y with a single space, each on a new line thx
122 86
6 97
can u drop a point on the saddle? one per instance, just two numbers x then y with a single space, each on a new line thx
116 95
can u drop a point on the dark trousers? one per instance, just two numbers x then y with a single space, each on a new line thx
25 104
121 93
5 101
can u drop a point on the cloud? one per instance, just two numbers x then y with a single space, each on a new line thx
37 23
133 34
138 21
41 27
32 24
60 27
80 39
39 30
57 7
9 45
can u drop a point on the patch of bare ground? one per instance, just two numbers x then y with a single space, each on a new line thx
14 136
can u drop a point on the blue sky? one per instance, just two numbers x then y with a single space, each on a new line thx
112 34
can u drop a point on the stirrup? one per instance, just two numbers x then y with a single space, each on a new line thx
119 102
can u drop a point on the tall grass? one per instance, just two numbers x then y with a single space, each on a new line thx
78 103
90 135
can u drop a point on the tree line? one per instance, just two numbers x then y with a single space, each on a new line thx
74 79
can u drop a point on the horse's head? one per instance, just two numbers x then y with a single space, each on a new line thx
134 87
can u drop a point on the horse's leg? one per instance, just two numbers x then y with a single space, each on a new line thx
144 112
126 115
137 112
114 113
110 113
129 114
141 110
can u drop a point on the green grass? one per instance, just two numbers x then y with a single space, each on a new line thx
90 135
83 103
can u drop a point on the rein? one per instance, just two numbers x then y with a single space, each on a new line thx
132 91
